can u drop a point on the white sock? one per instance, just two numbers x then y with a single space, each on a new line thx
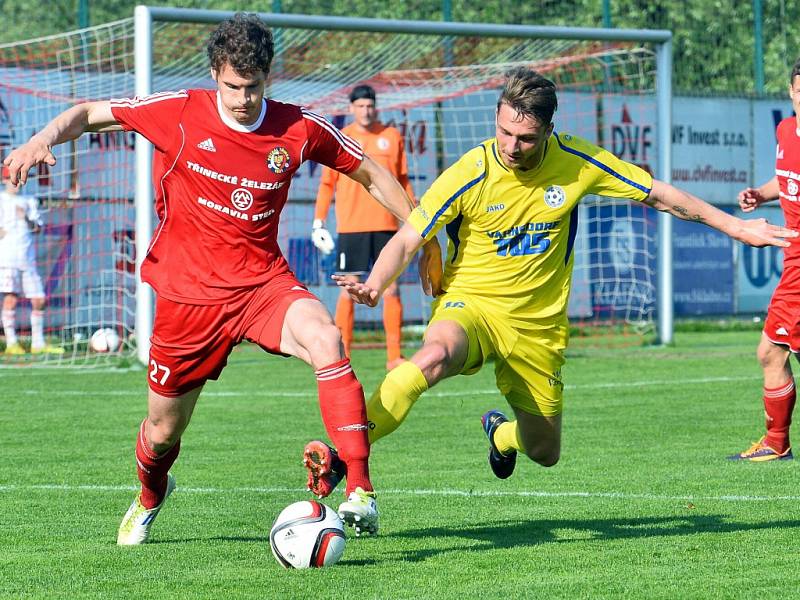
9 327
37 329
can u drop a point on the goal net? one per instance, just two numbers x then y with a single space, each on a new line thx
440 91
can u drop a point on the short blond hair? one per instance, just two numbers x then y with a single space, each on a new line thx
530 94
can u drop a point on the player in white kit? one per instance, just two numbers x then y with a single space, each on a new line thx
19 220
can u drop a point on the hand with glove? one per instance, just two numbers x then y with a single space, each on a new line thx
321 237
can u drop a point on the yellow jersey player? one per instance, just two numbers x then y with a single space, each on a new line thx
509 208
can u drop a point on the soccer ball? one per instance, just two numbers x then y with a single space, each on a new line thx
104 340
307 534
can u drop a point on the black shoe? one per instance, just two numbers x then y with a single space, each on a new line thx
502 464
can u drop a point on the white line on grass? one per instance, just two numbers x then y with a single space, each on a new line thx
418 492
434 394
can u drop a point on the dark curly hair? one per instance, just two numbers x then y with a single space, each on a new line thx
244 42
795 71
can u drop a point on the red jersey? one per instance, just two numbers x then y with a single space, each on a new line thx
221 187
787 170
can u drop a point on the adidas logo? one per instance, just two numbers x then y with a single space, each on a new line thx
781 331
207 145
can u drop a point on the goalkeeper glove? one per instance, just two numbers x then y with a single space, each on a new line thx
321 237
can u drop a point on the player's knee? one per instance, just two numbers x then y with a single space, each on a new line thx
326 341
546 460
163 435
771 356
545 455
549 460
763 354
434 359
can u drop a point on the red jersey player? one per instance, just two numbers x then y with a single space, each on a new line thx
224 161
363 226
781 334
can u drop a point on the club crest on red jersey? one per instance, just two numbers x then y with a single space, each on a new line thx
278 160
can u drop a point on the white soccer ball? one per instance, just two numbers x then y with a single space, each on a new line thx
307 534
104 340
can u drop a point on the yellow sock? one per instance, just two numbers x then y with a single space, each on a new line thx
507 439
390 403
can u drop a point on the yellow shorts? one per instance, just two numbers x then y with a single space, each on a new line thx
527 356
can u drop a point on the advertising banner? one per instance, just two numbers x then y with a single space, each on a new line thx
759 269
703 282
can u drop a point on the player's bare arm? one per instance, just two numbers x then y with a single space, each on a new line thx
69 125
387 190
430 268
394 257
754 232
751 198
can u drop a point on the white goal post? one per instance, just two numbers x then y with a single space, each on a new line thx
449 33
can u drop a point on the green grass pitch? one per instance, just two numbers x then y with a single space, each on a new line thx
642 505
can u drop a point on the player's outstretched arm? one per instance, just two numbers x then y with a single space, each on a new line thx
682 204
394 257
390 193
751 198
69 125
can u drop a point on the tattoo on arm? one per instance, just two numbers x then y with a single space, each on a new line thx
681 212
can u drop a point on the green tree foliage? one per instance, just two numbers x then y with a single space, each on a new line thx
713 44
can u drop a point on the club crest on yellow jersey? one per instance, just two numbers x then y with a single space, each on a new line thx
554 196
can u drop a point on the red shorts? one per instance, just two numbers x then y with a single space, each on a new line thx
191 342
783 316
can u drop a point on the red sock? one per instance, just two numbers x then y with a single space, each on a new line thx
153 469
341 402
778 406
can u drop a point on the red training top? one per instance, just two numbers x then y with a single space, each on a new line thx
787 169
221 186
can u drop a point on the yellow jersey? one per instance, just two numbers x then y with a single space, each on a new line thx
512 233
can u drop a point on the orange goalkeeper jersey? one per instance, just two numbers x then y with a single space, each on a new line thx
356 210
